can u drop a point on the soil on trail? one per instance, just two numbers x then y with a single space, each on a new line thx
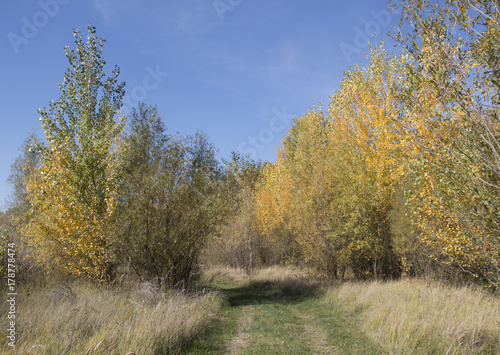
317 335
240 341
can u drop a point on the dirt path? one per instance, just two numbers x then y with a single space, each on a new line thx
263 319
240 341
317 336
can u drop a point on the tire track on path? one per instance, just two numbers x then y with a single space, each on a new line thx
316 334
241 340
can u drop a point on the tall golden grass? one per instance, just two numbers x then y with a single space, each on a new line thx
286 278
224 275
420 317
82 318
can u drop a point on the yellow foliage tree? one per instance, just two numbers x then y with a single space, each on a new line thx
363 118
272 200
332 186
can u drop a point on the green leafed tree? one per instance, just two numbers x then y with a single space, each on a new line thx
170 202
73 192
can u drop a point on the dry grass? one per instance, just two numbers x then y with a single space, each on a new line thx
85 319
286 278
283 274
224 275
418 317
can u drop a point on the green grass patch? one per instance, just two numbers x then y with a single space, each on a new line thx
273 314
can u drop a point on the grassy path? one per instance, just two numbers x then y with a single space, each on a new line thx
264 319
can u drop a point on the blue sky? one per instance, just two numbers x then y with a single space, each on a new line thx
239 70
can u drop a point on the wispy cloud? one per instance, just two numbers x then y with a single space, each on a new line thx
185 20
110 9
192 16
285 60
186 16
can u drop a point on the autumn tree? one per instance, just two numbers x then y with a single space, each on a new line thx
17 215
333 184
363 114
309 214
73 192
451 107
272 201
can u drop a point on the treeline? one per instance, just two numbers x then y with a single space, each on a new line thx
398 175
